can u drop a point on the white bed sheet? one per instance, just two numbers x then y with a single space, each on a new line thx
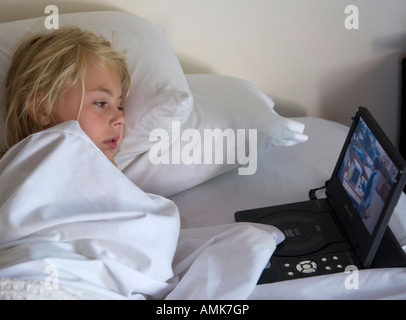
285 174
208 230
88 229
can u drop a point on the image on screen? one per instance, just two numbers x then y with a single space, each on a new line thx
367 175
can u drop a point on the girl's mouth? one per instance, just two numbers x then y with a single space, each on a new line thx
112 143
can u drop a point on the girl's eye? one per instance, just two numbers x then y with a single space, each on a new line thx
120 108
101 104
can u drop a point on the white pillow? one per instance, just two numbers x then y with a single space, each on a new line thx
219 102
159 91
160 95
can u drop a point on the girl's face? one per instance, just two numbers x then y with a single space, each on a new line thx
101 117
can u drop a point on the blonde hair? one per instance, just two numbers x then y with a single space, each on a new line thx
44 67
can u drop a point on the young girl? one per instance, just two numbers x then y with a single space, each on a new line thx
68 74
67 211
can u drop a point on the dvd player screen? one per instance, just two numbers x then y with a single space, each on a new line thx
367 174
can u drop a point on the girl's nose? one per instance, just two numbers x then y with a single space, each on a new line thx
118 117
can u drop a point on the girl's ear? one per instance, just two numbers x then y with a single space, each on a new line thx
36 110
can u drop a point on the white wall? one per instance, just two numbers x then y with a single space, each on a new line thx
297 51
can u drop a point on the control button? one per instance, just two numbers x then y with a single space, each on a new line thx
306 266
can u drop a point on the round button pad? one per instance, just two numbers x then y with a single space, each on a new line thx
306 266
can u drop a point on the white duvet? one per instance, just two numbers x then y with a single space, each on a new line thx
70 220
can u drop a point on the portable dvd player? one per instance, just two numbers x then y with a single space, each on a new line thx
349 227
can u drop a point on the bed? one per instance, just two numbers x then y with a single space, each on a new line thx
168 232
